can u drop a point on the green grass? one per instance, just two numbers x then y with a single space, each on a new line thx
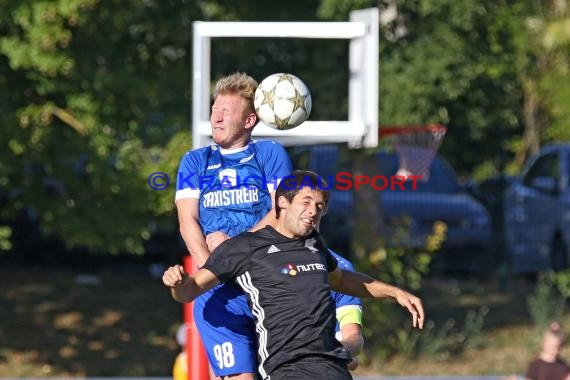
508 340
126 325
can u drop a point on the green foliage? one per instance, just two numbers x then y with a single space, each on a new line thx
562 281
548 303
5 234
397 263
443 342
556 95
338 10
449 62
98 89
438 342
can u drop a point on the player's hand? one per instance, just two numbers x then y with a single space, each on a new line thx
414 306
174 276
214 239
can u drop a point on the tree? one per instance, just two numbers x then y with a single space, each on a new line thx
95 91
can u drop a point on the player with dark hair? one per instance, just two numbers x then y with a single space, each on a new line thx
285 272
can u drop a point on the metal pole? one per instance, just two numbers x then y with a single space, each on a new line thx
197 361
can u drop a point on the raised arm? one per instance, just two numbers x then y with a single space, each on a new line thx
361 285
185 288
188 212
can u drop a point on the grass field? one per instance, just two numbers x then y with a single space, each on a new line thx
124 324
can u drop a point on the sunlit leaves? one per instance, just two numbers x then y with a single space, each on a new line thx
94 91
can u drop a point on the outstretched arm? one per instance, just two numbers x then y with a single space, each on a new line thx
185 288
361 285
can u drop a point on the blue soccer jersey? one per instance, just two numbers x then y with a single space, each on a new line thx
234 190
348 308
233 186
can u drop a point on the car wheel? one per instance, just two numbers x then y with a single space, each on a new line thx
558 256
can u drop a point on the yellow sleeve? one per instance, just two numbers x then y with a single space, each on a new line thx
349 314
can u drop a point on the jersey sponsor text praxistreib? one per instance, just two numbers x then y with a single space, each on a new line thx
221 198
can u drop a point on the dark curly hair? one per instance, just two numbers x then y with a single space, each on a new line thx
293 183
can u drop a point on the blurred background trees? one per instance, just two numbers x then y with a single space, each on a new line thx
95 96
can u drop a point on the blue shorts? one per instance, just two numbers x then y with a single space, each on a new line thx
227 329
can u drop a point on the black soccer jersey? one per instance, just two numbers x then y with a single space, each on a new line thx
289 294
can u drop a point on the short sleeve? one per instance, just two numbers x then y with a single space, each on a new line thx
276 162
187 178
230 259
349 314
332 263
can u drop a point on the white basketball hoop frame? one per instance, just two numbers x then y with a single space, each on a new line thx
361 128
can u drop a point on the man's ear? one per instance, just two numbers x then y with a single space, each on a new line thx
250 120
282 202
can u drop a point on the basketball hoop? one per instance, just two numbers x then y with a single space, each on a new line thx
415 146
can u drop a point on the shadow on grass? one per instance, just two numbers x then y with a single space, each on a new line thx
122 322
105 325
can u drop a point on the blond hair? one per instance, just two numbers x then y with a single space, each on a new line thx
240 84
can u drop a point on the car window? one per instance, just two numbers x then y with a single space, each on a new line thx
545 166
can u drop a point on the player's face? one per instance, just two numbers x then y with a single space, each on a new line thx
231 125
303 214
551 345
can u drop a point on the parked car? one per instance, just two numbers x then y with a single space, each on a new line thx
490 191
537 213
441 198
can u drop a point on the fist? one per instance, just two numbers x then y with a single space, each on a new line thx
353 364
174 276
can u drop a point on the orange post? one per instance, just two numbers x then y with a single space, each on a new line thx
197 360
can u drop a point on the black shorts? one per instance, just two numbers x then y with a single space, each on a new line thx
311 368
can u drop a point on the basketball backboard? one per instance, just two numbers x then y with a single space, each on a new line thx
362 31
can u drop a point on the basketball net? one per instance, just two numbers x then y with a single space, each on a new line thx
416 146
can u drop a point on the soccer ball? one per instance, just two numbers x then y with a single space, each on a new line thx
282 101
